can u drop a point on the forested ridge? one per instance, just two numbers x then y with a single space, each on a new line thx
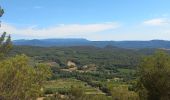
81 55
84 42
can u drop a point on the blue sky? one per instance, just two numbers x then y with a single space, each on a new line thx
90 19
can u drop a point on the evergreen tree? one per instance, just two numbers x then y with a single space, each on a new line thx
1 11
19 79
154 81
5 41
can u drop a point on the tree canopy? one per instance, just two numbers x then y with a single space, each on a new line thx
19 78
5 41
154 74
1 11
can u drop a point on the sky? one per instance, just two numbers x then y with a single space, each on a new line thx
91 19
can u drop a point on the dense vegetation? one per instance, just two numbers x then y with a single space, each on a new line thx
82 55
154 80
108 62
115 74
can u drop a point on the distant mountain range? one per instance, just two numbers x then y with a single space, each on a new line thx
83 42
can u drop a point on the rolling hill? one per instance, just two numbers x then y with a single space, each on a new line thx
83 42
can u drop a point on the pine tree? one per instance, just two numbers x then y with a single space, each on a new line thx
1 11
154 80
5 41
19 80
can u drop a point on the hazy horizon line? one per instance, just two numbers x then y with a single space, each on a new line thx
87 39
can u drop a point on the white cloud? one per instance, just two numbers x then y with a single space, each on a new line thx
157 22
101 31
59 30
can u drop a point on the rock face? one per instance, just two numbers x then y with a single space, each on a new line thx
88 68
52 64
71 64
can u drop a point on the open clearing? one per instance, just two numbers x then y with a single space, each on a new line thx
66 84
